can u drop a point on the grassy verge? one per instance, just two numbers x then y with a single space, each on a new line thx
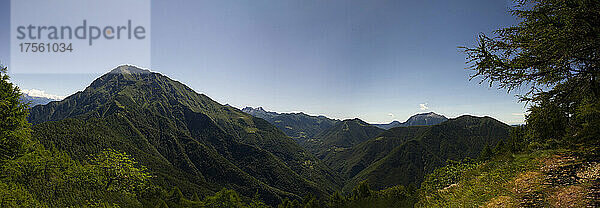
548 178
474 184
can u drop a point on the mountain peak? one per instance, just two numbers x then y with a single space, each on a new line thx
420 119
357 120
249 109
126 75
35 93
429 118
129 69
428 114
260 112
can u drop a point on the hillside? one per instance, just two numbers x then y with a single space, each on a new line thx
404 155
341 136
353 160
185 138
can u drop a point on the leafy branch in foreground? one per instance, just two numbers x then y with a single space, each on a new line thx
554 51
555 42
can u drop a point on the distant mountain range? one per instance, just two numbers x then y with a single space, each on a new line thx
422 119
33 101
321 135
299 126
37 97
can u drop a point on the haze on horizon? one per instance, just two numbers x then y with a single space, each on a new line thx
378 61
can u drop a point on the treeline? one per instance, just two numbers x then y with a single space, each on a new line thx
361 196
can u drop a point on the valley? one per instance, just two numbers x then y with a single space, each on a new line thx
192 143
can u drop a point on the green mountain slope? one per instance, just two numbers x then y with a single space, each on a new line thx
343 135
185 138
430 148
351 161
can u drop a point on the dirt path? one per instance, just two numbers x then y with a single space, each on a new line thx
562 181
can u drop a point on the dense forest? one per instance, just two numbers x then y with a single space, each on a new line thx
135 138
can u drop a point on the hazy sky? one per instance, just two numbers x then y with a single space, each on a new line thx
375 60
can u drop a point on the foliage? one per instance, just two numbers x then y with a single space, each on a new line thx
53 179
587 118
311 201
446 176
553 51
486 153
15 195
119 172
224 198
555 41
56 179
362 190
337 200
287 203
547 121
14 128
363 196
517 139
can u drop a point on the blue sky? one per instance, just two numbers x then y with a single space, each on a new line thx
375 60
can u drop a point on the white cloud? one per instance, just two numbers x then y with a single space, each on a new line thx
41 93
517 114
423 106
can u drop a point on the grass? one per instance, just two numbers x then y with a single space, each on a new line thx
545 178
491 183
